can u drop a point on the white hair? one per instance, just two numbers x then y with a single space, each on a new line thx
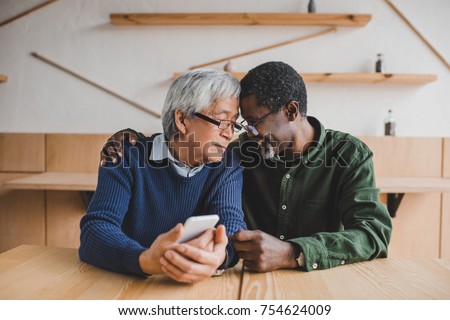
194 91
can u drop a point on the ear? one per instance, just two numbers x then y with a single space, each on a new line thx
292 110
180 121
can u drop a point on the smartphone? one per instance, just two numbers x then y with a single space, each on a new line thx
195 226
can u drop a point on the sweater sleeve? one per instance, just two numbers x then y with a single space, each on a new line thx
227 203
102 241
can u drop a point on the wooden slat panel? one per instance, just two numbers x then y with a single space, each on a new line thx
284 19
445 227
354 77
379 279
416 226
26 12
30 272
64 211
74 152
415 229
446 158
22 216
22 152
406 156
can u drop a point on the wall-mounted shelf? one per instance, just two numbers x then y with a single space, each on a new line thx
355 77
55 181
396 187
88 182
412 185
3 78
85 183
370 78
273 19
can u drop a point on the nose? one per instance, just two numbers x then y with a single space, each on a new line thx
227 133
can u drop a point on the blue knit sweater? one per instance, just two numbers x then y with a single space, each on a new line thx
137 199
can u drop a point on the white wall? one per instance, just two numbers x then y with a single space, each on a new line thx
138 62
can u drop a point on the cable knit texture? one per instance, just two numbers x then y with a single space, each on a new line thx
138 199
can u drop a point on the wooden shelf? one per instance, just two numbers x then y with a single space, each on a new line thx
55 181
412 185
395 187
3 78
273 19
355 77
370 78
88 182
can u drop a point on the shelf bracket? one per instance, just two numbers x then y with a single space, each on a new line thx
393 202
87 197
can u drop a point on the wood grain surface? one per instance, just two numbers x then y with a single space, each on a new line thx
34 272
379 279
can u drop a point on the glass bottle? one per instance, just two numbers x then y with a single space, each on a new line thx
311 6
389 124
379 65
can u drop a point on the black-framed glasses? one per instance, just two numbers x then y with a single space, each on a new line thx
221 124
251 127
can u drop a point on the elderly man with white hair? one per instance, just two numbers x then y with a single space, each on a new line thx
135 217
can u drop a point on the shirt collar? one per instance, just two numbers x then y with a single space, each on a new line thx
160 151
319 137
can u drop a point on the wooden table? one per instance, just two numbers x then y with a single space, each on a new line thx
35 272
379 279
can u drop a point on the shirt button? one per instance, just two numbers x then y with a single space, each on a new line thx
315 265
342 262
281 237
288 176
283 207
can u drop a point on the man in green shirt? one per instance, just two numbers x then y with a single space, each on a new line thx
309 193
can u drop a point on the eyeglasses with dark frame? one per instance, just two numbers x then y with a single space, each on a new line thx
252 127
221 124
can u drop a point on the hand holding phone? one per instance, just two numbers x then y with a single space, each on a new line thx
195 226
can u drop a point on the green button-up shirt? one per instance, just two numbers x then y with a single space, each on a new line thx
326 202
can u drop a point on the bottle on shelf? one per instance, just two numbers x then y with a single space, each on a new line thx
311 6
389 124
380 65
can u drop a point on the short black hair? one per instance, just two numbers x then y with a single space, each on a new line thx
275 84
